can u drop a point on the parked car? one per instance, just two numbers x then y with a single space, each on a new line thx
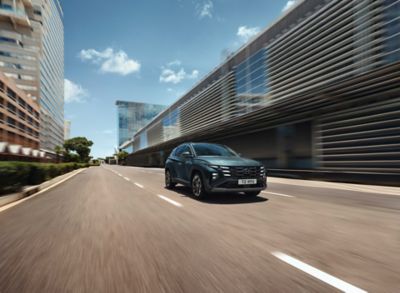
209 168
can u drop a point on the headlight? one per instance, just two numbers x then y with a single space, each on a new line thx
214 167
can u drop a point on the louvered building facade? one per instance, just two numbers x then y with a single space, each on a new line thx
317 90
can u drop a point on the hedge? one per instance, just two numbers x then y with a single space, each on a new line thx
15 175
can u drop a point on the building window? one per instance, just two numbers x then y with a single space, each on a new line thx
392 18
12 108
22 127
252 83
21 115
6 6
7 40
11 94
11 122
21 102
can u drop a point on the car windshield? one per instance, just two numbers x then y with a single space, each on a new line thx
204 149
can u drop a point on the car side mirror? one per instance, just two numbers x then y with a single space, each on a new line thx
187 155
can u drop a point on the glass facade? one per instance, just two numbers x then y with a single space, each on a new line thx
252 83
392 28
52 76
171 125
132 117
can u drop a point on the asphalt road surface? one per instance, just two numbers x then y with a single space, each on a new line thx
117 229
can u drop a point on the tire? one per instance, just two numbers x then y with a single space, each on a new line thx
252 193
198 186
168 180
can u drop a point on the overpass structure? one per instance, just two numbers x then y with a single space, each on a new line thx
317 94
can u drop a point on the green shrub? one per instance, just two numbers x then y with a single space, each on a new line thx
15 175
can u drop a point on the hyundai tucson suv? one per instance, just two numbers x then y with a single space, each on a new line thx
209 168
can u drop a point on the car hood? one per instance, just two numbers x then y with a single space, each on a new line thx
229 161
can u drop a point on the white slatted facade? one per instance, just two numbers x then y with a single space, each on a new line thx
334 63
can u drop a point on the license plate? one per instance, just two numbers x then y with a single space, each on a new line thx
247 181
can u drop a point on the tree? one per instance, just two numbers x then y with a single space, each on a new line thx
59 150
121 155
80 145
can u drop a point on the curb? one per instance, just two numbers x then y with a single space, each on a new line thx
30 190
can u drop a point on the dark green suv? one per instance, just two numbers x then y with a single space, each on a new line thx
208 168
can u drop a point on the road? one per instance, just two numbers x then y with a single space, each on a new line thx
117 229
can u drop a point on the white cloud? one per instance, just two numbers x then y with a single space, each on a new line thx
174 73
111 61
175 63
289 5
74 92
246 33
206 9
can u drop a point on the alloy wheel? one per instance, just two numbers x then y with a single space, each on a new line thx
167 178
196 185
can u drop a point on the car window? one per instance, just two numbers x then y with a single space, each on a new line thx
179 150
186 148
204 149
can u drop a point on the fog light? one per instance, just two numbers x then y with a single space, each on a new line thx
214 176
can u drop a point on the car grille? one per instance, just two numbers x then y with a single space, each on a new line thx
246 172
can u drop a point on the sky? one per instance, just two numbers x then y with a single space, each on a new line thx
149 51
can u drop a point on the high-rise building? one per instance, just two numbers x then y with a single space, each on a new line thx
132 116
51 74
67 129
32 53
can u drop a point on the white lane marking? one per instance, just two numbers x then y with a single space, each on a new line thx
139 185
127 179
120 175
175 203
331 280
6 207
279 194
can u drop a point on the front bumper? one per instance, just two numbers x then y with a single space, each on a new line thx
231 185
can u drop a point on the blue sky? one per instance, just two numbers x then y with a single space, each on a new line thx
147 51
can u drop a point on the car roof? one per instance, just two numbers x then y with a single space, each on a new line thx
199 142
212 143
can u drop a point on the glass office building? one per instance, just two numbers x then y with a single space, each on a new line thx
52 75
32 54
133 116
318 89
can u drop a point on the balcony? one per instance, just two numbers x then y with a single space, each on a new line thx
16 15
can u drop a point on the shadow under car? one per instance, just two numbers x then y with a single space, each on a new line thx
221 198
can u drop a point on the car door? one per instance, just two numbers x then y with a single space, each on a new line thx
179 162
187 162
